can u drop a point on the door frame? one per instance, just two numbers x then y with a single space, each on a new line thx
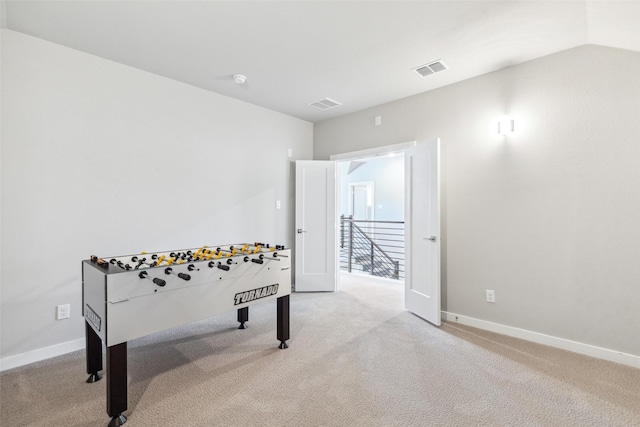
373 152
384 150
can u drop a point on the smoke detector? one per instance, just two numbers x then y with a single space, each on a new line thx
430 68
239 79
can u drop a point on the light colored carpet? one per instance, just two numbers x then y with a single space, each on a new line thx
356 358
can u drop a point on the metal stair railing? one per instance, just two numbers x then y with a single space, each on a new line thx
376 247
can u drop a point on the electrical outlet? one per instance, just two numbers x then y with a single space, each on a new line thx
491 295
64 312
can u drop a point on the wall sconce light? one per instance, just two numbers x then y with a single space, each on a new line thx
506 125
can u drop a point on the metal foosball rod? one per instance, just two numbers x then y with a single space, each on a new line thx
158 259
183 276
176 260
215 255
142 261
120 264
181 257
260 259
202 254
228 253
279 255
145 275
220 265
244 248
275 257
270 247
258 248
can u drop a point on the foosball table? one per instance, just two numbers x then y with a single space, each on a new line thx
128 297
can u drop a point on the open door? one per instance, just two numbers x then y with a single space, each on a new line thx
316 228
422 230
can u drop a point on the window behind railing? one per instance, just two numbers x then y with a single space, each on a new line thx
373 247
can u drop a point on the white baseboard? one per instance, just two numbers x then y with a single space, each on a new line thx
574 346
17 360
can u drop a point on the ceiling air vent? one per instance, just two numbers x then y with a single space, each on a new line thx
324 104
430 68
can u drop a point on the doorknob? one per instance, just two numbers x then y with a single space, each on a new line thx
300 231
432 238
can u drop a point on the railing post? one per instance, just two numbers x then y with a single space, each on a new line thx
372 258
341 231
350 243
396 269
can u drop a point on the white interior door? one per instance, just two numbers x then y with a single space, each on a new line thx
316 230
422 230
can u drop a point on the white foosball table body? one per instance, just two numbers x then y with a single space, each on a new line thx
128 297
121 306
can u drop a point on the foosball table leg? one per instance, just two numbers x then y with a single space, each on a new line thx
94 353
283 321
243 316
117 383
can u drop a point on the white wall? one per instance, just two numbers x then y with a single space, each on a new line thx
548 217
387 174
100 158
3 18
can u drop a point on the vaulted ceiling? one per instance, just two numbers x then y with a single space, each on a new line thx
359 53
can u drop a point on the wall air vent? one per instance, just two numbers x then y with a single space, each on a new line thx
430 68
324 104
